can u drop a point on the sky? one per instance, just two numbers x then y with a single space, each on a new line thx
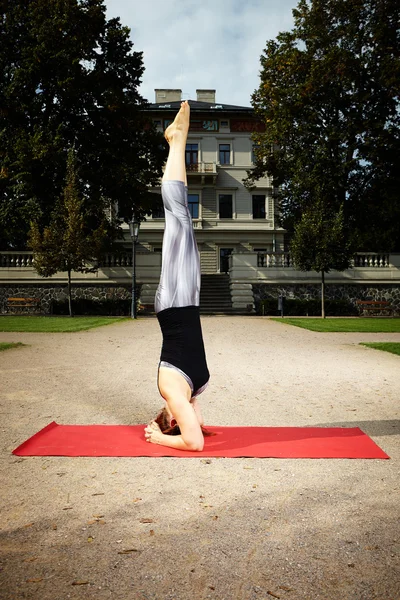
202 44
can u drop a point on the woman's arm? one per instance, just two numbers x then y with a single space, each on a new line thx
197 410
154 435
191 437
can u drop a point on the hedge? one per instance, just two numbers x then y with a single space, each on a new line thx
293 307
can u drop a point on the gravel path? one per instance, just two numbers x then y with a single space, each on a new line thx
193 529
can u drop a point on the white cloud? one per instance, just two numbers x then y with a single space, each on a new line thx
205 44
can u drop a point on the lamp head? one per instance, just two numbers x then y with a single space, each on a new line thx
134 226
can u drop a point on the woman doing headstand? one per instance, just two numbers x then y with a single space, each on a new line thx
182 372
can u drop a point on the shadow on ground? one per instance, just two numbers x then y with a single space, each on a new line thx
372 428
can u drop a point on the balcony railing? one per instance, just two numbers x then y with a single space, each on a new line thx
371 260
284 260
202 167
11 259
274 259
16 259
18 267
209 168
111 260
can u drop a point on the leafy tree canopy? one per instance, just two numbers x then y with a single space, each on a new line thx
329 98
67 243
69 77
319 243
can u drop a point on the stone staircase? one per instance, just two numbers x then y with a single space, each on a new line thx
218 296
215 295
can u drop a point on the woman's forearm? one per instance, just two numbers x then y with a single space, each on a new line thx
177 441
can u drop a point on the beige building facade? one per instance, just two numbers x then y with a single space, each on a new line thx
227 218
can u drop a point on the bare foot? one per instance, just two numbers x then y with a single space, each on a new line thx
180 126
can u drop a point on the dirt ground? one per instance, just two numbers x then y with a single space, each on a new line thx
193 529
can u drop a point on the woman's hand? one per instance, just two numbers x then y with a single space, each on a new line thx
153 433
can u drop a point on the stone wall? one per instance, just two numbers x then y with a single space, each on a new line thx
349 292
48 292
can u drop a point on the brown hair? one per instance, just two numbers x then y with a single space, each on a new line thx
163 422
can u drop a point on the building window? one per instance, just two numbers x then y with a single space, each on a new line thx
193 202
259 207
225 206
224 154
224 123
157 122
192 157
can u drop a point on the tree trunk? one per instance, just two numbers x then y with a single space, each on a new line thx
70 293
323 294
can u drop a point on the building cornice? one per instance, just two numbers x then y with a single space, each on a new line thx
201 107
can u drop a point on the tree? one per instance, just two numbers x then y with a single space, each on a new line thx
319 243
69 77
67 243
328 97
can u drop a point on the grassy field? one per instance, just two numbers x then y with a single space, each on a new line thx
55 324
8 345
363 325
392 347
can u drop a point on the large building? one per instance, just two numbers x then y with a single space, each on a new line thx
227 217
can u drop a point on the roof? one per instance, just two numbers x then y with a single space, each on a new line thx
196 106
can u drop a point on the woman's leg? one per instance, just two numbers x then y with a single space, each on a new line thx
180 274
176 136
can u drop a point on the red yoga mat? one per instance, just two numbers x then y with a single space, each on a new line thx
230 442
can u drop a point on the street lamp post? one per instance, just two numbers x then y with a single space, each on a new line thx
134 226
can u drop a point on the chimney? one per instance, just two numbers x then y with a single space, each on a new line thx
206 96
168 96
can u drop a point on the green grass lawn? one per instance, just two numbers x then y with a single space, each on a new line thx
367 324
55 324
392 347
8 345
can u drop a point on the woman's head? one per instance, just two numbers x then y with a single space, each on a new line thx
169 426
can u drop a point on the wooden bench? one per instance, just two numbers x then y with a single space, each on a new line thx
373 306
17 303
